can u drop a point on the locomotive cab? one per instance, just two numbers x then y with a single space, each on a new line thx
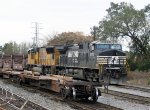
111 61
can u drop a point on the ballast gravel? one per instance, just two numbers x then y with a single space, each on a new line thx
122 103
50 104
130 91
38 98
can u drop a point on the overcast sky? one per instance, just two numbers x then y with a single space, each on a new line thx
17 16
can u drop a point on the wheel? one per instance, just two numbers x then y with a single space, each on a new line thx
21 82
62 92
94 95
73 93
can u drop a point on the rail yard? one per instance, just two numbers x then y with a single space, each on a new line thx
71 63
54 76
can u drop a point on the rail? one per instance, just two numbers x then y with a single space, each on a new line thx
137 98
9 100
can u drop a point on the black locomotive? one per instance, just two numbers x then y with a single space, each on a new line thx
94 62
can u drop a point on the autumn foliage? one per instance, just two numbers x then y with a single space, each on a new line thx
69 38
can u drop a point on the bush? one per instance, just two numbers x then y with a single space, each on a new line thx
148 81
144 66
133 66
140 66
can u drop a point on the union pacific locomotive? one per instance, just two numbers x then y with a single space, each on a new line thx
91 62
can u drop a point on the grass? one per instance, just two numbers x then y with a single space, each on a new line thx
139 78
149 81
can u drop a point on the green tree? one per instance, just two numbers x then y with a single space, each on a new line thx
14 48
1 48
11 48
8 48
123 20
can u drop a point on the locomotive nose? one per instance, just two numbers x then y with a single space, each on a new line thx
112 53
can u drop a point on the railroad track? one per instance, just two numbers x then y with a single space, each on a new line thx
90 106
11 101
139 88
81 105
136 98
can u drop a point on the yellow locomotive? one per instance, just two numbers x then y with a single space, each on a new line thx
45 58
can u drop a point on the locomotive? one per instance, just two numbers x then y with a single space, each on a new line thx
95 62
91 62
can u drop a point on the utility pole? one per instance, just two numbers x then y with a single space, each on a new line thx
36 38
36 33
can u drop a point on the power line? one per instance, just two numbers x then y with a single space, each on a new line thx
36 37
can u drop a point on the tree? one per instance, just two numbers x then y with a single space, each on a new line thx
123 20
94 32
69 38
24 47
14 48
11 48
1 49
8 48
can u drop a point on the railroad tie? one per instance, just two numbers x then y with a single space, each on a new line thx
23 104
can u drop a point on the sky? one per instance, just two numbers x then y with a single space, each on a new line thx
17 17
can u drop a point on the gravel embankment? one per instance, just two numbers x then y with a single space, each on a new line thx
124 104
36 97
57 105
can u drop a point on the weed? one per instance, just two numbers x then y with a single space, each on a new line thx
149 81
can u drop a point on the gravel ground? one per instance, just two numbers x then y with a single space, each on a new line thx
124 104
36 97
130 91
53 105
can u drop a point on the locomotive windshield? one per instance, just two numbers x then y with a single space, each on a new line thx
108 46
116 46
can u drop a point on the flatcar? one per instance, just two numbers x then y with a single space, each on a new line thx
46 61
19 62
43 60
13 62
7 62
